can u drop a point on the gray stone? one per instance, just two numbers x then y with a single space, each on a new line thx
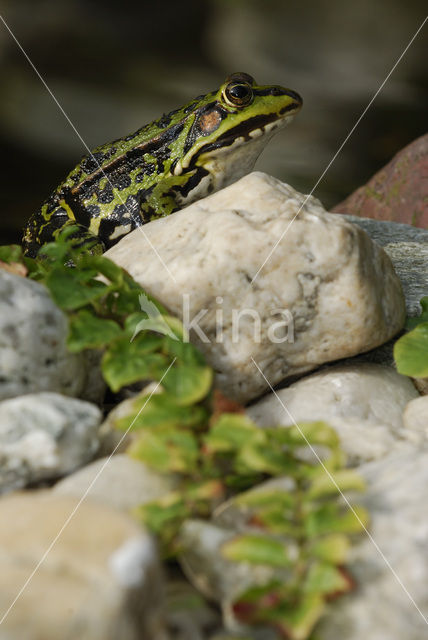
33 353
118 481
363 402
381 608
407 247
43 436
415 415
327 292
97 577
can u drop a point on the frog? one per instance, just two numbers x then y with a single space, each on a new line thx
179 158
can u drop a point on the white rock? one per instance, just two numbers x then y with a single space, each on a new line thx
339 287
380 608
118 481
33 353
363 402
415 415
100 580
43 436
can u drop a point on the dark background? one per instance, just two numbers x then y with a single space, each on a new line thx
116 65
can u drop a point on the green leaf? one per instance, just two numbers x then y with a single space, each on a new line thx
325 579
330 518
161 410
313 432
325 485
185 352
68 291
411 323
125 362
263 458
231 432
103 265
188 383
332 548
166 449
267 498
11 253
411 352
87 331
256 549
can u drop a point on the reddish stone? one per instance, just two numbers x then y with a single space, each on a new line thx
398 192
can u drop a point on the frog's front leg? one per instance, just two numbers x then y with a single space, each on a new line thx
44 227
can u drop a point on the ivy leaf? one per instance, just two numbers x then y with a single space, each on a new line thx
11 253
231 432
324 578
166 450
329 518
411 352
188 384
87 331
325 485
69 292
256 549
332 548
103 265
162 411
125 362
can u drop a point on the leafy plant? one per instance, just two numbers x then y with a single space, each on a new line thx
411 350
226 457
108 310
208 444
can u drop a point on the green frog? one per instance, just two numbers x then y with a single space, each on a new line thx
183 156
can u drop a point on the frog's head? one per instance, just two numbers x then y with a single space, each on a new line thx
229 128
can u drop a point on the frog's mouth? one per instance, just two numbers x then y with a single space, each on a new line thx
248 130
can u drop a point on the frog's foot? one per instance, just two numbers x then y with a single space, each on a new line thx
82 238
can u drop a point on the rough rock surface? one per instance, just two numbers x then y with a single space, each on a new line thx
408 249
43 436
118 481
380 608
398 191
415 415
363 402
33 354
326 278
99 581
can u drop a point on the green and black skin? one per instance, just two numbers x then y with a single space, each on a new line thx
185 155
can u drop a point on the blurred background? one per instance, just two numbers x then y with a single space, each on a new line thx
114 66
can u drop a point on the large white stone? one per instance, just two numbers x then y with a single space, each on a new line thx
33 352
43 436
363 402
97 576
339 287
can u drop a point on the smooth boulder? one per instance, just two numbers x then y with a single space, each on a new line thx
326 292
97 573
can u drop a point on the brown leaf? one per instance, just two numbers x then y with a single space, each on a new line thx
16 268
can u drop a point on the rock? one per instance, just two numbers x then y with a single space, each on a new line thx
94 573
398 191
33 353
415 415
362 402
217 578
408 249
380 607
43 436
327 285
118 481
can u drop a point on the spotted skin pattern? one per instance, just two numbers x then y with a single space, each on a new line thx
165 165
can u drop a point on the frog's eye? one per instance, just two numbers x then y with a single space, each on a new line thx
238 94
